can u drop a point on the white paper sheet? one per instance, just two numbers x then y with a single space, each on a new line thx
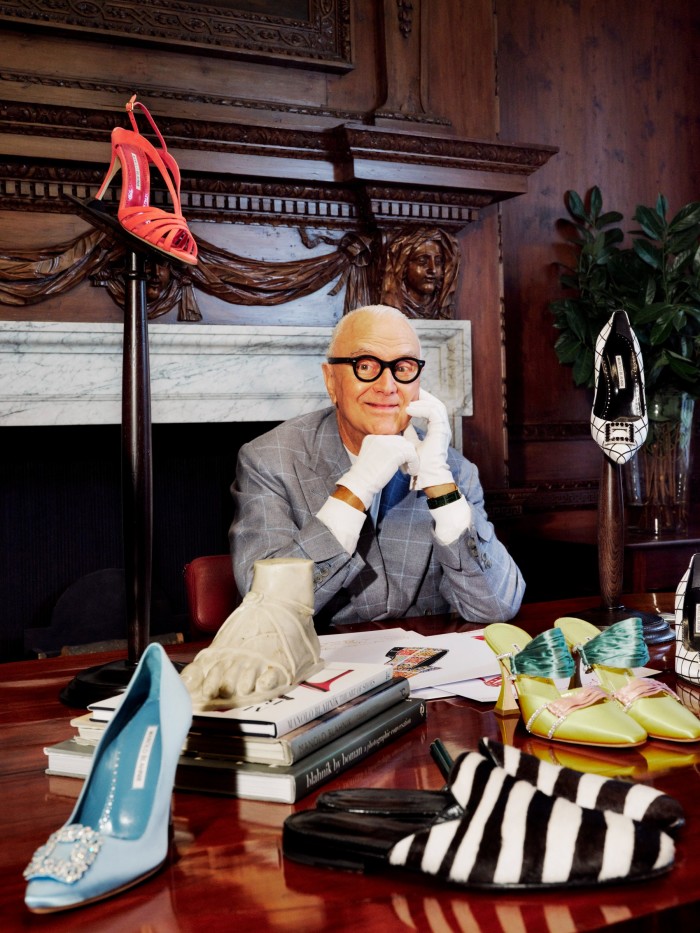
468 656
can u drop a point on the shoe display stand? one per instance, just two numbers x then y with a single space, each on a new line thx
619 426
611 549
137 473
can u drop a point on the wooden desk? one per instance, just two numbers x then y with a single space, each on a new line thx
229 873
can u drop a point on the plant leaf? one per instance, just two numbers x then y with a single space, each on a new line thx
610 217
648 253
687 216
575 206
582 370
595 199
652 225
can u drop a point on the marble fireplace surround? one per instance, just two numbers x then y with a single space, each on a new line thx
62 373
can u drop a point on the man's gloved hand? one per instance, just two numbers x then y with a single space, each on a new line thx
432 450
380 456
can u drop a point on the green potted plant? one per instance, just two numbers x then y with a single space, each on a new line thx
656 280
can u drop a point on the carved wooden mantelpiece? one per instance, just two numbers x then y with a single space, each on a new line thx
349 175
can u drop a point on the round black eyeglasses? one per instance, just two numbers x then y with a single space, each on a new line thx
369 368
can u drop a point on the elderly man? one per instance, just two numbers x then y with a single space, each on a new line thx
379 521
394 522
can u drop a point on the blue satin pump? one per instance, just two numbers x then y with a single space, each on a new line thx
118 833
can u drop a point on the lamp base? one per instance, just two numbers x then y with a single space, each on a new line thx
655 628
100 682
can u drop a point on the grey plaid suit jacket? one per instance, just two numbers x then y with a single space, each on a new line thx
399 568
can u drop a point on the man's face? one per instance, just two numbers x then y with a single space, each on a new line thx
377 407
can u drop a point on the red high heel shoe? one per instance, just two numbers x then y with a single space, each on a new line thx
133 154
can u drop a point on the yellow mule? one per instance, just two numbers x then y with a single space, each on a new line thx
585 716
611 654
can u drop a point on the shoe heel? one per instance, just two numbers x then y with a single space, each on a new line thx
114 167
506 704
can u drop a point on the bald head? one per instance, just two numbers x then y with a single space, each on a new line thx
363 319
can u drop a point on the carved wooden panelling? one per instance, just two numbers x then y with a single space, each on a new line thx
308 32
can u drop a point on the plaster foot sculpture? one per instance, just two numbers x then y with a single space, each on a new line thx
266 646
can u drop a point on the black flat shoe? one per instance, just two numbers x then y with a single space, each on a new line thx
639 802
619 422
407 805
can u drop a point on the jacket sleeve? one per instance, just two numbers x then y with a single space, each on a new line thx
274 517
481 581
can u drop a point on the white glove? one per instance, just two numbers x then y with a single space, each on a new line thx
432 450
380 456
343 521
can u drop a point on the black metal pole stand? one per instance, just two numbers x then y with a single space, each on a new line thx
137 466
611 554
96 683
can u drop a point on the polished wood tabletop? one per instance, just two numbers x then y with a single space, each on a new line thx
227 871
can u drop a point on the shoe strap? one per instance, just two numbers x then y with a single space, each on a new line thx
621 645
642 687
130 105
547 655
165 163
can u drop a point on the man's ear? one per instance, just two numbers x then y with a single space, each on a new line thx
329 379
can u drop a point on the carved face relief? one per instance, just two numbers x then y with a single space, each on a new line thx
158 279
424 270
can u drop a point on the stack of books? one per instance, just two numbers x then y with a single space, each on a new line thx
277 750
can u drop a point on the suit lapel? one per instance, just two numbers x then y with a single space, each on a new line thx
330 461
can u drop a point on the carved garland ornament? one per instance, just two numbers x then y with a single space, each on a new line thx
420 286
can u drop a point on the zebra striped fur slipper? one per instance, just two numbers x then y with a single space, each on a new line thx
591 791
510 836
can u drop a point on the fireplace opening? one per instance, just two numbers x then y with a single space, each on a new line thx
62 516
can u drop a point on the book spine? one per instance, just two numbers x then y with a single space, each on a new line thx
248 782
357 745
317 736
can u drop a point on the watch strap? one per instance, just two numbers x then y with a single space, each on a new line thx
438 501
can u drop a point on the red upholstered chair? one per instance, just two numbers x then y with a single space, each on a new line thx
212 594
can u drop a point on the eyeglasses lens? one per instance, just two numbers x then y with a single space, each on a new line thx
368 369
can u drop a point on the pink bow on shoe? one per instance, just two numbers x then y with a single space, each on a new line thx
641 687
565 705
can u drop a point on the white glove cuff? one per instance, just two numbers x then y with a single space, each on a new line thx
357 487
440 476
452 520
343 521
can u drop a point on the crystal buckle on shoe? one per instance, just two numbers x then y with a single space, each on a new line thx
619 432
71 866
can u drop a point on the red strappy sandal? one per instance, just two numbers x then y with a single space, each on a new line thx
133 154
